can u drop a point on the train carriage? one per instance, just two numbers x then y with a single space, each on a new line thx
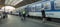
52 8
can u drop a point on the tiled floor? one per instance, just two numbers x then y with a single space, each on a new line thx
15 21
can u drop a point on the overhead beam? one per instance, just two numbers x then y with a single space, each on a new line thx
2 3
25 2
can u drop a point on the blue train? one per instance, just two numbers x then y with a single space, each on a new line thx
51 7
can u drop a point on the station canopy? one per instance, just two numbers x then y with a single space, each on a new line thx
15 3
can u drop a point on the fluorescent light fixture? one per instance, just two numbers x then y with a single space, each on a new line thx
8 8
6 1
16 2
12 2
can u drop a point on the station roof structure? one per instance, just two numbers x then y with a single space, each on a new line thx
16 3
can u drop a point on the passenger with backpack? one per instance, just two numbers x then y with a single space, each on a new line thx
24 12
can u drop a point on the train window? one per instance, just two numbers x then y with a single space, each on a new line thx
32 7
57 5
45 0
47 5
38 7
35 7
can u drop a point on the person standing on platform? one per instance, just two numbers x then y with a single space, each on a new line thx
11 12
24 12
19 13
43 15
4 15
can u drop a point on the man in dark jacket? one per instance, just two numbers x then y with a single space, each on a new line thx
43 15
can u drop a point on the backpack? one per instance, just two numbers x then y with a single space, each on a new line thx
23 12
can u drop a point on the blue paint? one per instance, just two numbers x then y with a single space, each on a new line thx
49 14
52 5
44 0
51 10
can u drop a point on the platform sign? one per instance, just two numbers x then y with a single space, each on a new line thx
57 4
